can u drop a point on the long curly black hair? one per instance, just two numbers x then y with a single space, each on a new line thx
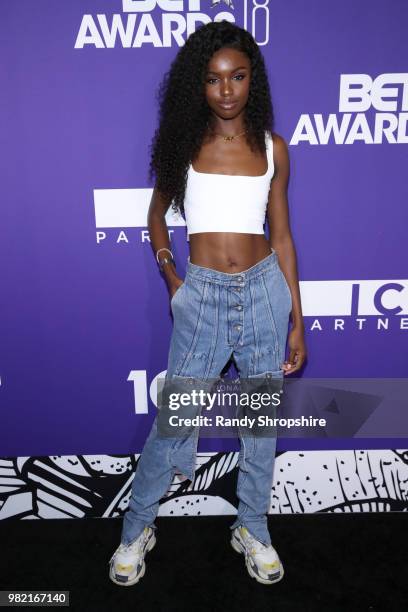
184 112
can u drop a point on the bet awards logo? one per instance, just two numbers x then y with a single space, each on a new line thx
168 23
373 111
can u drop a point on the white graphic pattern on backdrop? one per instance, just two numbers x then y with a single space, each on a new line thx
80 486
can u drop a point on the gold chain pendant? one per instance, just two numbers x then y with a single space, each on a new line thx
229 138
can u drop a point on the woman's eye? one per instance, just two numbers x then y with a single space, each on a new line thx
238 77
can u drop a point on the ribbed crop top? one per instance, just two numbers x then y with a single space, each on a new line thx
226 202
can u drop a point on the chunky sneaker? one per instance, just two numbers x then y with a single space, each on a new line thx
262 561
127 563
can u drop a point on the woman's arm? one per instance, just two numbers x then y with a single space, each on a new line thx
159 237
282 242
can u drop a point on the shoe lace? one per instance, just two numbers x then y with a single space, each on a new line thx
255 545
133 547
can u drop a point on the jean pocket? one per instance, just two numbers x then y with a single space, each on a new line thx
177 293
268 374
286 285
269 381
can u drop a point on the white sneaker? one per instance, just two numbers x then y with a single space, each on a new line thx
127 563
262 561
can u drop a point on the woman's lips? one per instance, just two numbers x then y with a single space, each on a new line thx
227 105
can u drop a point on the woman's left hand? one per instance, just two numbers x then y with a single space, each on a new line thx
297 351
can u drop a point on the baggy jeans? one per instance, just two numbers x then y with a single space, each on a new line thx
218 315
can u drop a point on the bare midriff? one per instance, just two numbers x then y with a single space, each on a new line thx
228 251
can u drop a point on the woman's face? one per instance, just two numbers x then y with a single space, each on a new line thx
227 82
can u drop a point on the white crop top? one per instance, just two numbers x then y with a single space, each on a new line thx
228 203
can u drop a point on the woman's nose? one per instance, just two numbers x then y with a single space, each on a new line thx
226 88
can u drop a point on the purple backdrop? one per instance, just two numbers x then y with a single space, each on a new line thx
85 321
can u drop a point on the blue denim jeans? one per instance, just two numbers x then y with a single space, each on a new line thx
218 315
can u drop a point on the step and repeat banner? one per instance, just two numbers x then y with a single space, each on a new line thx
85 318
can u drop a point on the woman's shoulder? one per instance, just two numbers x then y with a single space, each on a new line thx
278 140
280 150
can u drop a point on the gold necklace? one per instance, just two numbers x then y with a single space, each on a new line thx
229 138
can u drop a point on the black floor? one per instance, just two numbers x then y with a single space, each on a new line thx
332 562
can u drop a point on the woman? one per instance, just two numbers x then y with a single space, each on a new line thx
216 158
